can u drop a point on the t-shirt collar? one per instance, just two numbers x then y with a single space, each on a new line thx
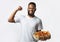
30 17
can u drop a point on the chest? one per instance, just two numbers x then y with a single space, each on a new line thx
29 22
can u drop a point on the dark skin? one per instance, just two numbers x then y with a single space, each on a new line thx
31 10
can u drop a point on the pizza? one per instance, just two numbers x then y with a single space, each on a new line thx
42 35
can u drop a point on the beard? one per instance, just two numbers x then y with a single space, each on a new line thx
31 14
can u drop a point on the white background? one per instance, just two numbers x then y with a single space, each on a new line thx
47 10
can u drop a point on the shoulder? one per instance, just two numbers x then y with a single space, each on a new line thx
38 19
21 16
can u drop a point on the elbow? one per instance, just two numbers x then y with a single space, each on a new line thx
8 20
11 21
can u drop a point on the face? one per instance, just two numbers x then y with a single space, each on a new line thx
31 9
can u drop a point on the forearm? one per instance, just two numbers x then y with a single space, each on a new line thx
11 18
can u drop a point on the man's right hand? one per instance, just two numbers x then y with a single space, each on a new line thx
19 8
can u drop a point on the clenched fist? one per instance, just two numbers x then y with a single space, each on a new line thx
19 8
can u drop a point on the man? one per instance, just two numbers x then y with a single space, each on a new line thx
30 23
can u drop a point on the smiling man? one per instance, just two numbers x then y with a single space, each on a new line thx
30 23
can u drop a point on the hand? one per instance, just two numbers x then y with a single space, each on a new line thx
19 8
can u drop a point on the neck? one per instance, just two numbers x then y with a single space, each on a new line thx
31 16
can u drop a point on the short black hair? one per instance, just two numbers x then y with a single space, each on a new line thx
32 3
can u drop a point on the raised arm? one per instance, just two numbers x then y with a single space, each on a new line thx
11 18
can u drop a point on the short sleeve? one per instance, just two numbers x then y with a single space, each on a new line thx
18 18
40 25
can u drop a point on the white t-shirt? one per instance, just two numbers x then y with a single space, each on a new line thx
29 26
